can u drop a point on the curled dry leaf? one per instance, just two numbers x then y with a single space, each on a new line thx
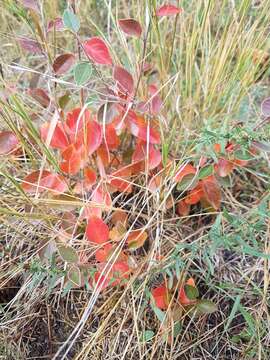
30 45
136 239
8 142
98 51
63 63
130 27
40 96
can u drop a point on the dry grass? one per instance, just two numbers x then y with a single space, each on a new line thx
211 64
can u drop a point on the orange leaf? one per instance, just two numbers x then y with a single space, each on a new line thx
119 179
224 167
111 138
140 128
187 169
97 231
119 216
212 191
103 254
194 196
183 208
141 151
136 239
90 176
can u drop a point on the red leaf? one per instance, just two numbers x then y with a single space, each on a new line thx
161 297
156 102
94 137
97 231
182 297
30 45
8 142
102 197
139 127
59 139
111 138
63 63
102 280
76 120
131 27
187 169
211 191
56 24
98 51
40 96
140 153
45 180
31 4
265 107
224 167
124 79
183 208
167 10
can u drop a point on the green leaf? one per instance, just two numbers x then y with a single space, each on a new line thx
243 155
74 275
206 171
206 307
82 72
71 21
187 182
177 328
63 100
233 312
159 313
191 292
68 254
147 335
